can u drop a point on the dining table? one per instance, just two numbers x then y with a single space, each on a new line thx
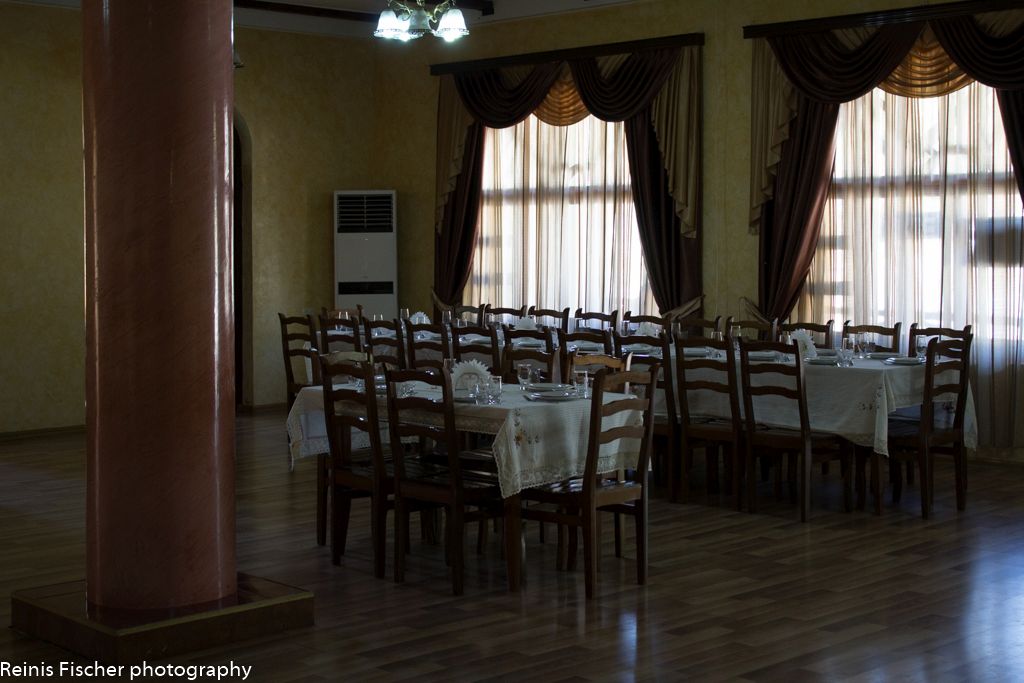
540 437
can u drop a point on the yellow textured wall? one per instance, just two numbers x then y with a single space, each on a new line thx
42 323
323 114
309 107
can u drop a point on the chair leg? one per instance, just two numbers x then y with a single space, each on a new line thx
590 548
341 510
618 535
571 553
960 464
876 480
322 485
923 466
860 484
739 466
456 543
713 486
640 517
683 486
804 484
791 464
751 468
379 530
401 539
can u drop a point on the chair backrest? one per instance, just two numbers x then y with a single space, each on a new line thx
347 408
384 339
783 381
715 374
607 320
423 418
500 313
475 313
298 341
943 358
821 333
638 388
696 326
595 362
568 343
762 330
428 344
538 339
559 320
893 333
621 341
643 361
947 332
512 357
486 345
340 334
636 320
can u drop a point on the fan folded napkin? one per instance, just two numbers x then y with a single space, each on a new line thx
526 324
419 318
806 343
467 373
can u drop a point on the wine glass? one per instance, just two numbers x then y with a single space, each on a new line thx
403 313
580 377
523 372
446 317
921 346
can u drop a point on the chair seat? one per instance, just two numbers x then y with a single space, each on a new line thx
904 433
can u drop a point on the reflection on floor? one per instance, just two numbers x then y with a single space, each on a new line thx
730 595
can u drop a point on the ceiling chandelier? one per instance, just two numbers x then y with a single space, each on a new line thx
407 20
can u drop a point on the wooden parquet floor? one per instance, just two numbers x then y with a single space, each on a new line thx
731 596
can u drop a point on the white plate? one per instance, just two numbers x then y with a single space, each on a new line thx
550 396
903 360
549 386
822 361
883 355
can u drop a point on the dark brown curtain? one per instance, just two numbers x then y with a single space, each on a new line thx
673 262
496 104
998 62
824 73
453 243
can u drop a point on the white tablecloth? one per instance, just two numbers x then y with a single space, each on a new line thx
854 403
535 442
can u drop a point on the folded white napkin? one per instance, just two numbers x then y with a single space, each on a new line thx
526 324
646 329
468 372
419 318
806 343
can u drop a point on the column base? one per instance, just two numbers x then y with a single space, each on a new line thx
59 614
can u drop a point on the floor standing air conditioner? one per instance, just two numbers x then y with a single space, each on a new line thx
366 252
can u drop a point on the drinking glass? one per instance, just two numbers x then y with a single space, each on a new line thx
869 343
846 352
523 371
474 391
403 313
580 380
493 388
921 344
446 317
860 343
717 336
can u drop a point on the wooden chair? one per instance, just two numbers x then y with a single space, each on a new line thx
763 441
448 486
941 332
947 366
762 331
298 330
663 323
473 314
385 341
666 423
582 343
893 333
820 333
487 348
578 501
696 326
340 334
595 362
560 319
710 379
355 474
533 347
608 321
424 339
497 311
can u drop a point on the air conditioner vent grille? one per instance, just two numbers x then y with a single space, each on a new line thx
369 212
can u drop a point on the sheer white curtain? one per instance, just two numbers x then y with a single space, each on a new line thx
924 224
557 223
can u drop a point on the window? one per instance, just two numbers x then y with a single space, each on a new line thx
924 224
557 223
